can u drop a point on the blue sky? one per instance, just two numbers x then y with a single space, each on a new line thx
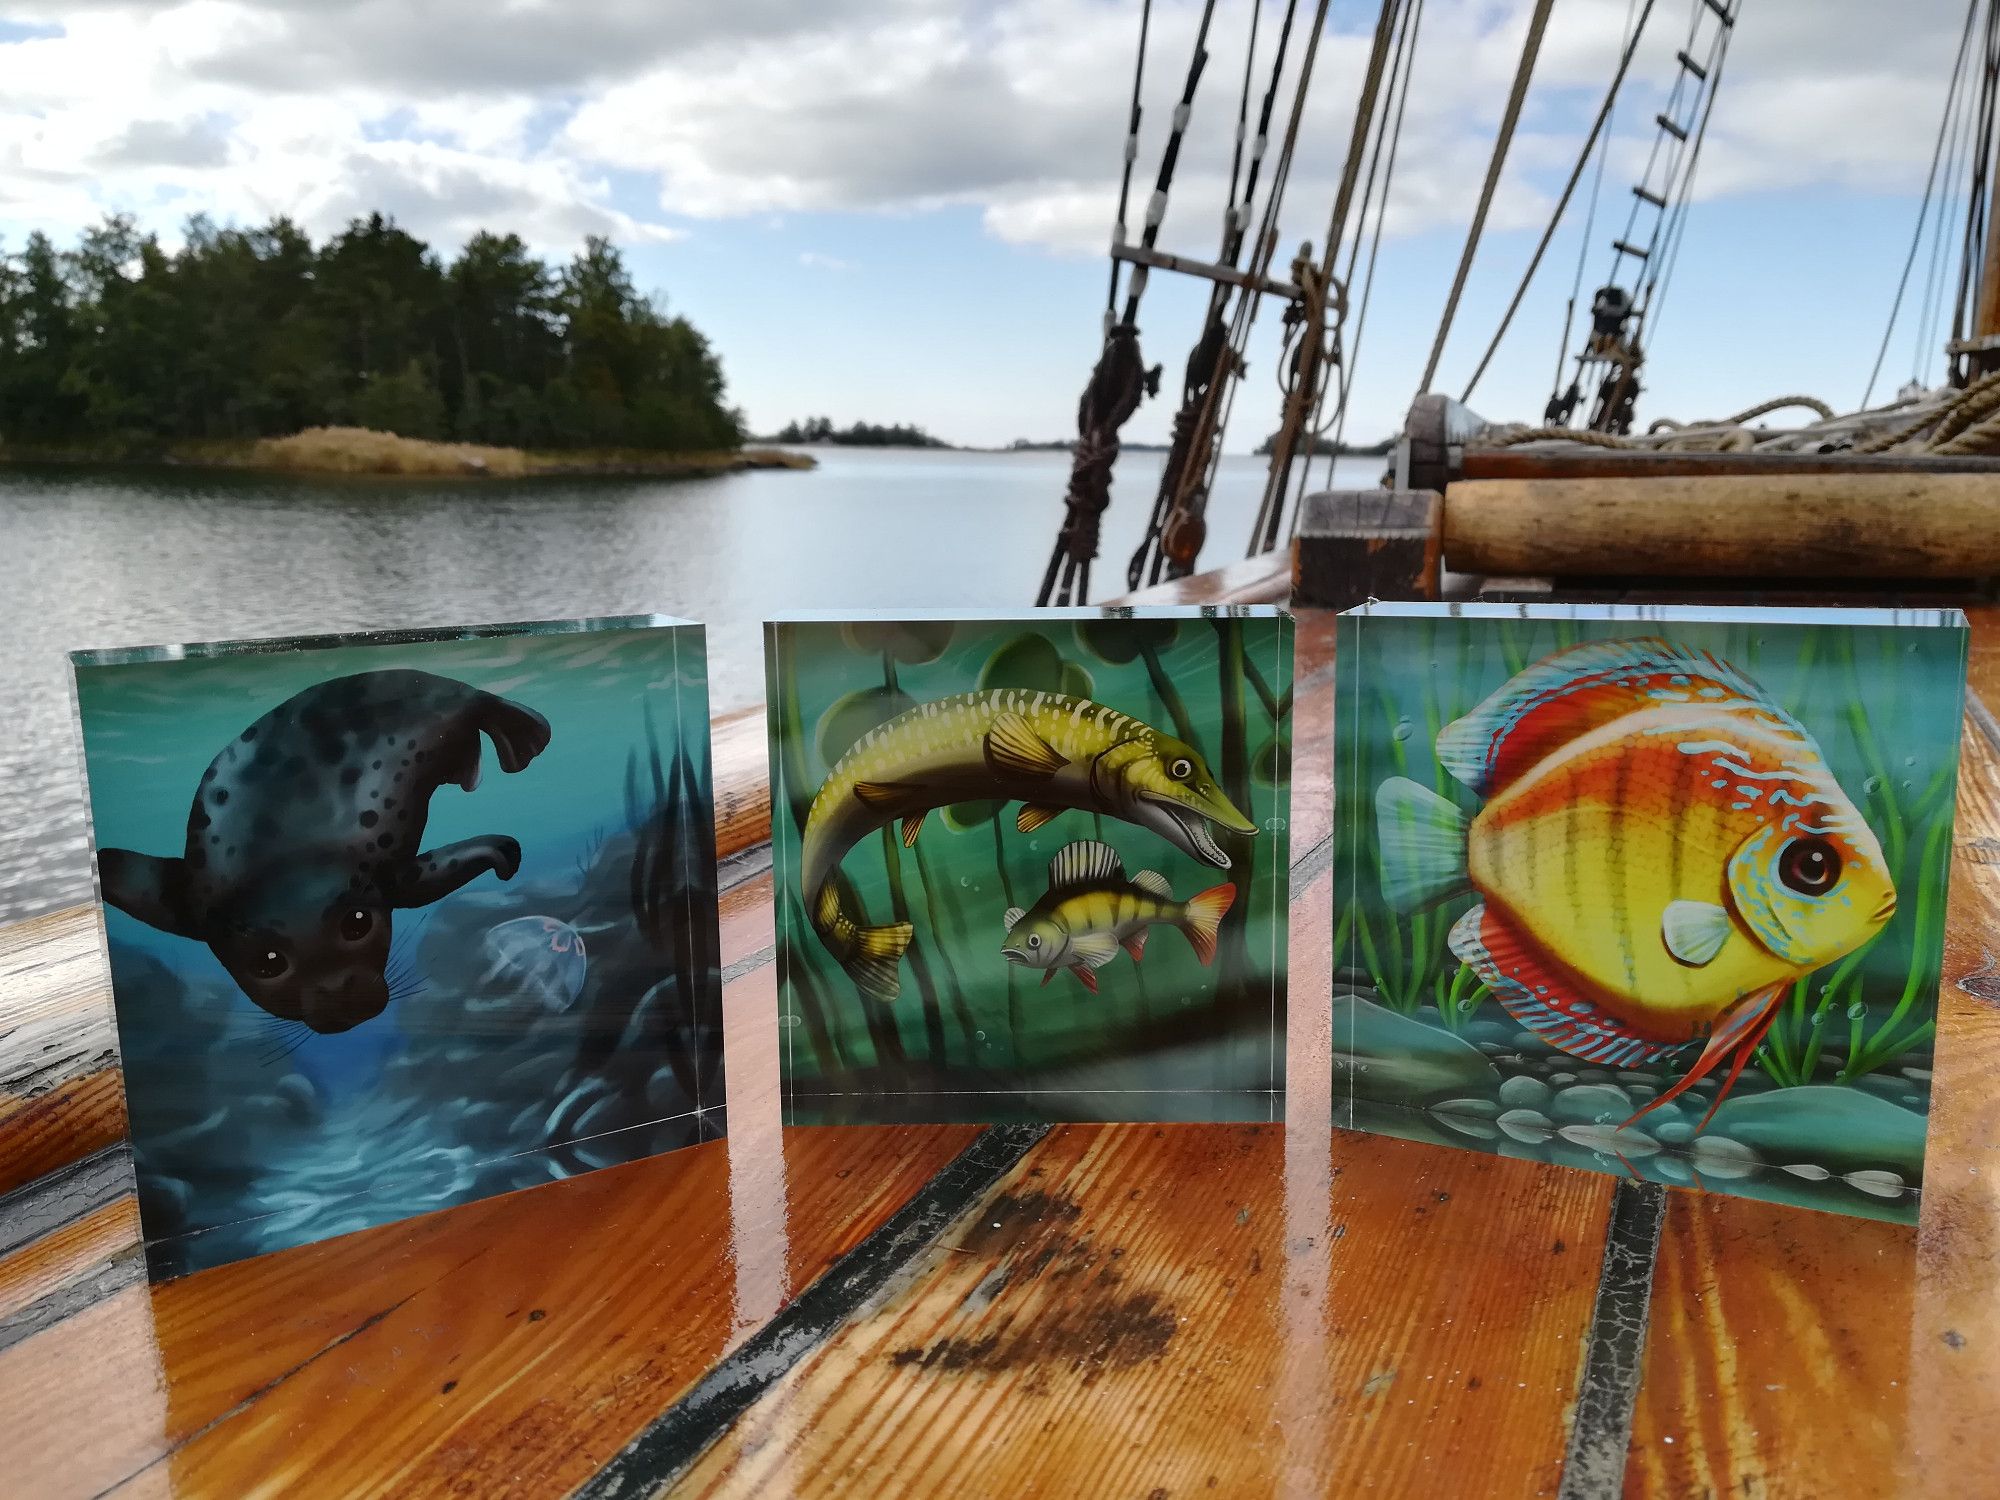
896 209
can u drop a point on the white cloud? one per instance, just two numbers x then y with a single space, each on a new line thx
814 260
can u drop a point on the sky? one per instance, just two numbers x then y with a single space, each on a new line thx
898 210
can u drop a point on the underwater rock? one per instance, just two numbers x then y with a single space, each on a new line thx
1609 1140
1810 1171
1843 1128
1473 1117
1492 1049
540 958
1561 1080
1389 1057
1527 1041
1673 1132
1593 1075
1675 1167
1591 1104
299 1096
1524 1093
1920 1075
1877 1184
1526 1125
1486 1109
1718 1156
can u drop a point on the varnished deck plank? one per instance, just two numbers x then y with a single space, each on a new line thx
1798 1354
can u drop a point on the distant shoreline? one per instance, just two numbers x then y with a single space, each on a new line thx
360 453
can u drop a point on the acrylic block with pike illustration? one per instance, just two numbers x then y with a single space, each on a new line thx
397 921
1656 891
1032 868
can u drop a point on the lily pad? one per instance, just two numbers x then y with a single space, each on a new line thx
854 715
1386 1056
1844 1129
909 641
1119 641
1077 682
1273 764
963 817
1028 662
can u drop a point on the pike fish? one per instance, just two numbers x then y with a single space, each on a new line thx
1091 910
1048 751
1661 853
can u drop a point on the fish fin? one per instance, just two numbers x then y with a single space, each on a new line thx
883 795
1013 746
1136 945
1084 863
1742 1028
468 774
877 953
1093 949
1422 837
912 827
1033 816
1084 977
1544 998
1011 916
1153 883
1563 696
1047 975
1202 917
1694 931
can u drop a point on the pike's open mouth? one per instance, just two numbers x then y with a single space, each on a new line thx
1195 828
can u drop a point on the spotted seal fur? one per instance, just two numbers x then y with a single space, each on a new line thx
307 833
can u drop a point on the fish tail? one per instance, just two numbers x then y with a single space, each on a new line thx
870 955
1202 917
1422 837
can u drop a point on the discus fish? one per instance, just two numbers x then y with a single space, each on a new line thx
1090 910
1661 853
1048 751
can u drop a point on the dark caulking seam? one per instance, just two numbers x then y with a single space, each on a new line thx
127 1267
63 1196
1600 1434
664 1451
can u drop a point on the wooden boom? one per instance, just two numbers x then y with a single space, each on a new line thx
1918 526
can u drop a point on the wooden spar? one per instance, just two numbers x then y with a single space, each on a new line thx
1730 526
1161 260
1531 462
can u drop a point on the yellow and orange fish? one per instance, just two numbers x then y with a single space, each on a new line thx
1662 852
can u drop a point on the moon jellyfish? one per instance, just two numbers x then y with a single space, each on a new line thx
541 957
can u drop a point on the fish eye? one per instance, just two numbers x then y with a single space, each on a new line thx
1034 940
268 963
1810 866
356 923
1181 769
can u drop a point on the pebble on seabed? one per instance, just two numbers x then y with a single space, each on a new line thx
1877 1184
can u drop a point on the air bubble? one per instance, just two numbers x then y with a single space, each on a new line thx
1404 729
1856 1010
1872 785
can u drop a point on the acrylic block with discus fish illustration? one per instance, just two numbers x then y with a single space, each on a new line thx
1091 910
306 833
1662 852
1048 751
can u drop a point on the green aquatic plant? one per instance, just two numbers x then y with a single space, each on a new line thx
1118 640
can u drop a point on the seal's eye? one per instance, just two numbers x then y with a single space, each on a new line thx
1810 866
1034 940
268 963
1181 769
356 923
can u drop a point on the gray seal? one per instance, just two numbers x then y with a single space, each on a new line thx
307 833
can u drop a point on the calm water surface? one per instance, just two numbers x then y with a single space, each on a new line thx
98 558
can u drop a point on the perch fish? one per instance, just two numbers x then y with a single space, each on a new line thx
1090 910
1048 751
1661 853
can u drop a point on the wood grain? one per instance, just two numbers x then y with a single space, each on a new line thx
1816 526
1212 1309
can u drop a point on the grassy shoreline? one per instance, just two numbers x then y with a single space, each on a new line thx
360 452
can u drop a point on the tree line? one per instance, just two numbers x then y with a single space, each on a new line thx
857 434
246 333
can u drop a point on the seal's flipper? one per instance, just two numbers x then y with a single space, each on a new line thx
518 733
147 887
435 875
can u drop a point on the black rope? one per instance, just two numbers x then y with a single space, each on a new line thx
1131 148
1945 124
1977 206
1156 209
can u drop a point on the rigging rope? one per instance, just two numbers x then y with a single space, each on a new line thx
1131 157
1530 50
1597 127
1930 185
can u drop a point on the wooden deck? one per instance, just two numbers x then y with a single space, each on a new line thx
1088 1310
